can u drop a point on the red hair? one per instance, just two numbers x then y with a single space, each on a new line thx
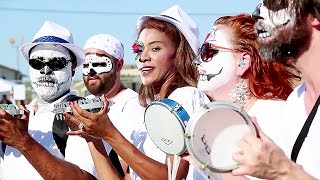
267 80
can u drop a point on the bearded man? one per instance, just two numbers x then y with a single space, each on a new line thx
289 31
37 146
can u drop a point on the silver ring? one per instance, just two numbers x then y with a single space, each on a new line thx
81 126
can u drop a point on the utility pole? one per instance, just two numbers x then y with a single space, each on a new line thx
16 45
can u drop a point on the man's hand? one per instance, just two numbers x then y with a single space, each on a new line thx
14 132
260 157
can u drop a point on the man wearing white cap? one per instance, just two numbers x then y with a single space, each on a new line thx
101 75
39 148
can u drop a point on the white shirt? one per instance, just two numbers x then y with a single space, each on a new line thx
291 124
40 129
125 106
268 114
191 99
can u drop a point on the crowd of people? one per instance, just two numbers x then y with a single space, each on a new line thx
250 61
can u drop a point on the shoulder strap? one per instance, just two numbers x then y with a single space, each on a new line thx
304 132
116 162
59 128
3 147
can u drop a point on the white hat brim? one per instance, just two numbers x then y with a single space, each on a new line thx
78 52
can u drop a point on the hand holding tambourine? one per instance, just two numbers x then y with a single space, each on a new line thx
213 133
210 136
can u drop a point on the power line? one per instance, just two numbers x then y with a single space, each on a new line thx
98 12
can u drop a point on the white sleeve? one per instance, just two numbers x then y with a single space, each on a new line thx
190 98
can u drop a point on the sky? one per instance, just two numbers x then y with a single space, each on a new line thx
21 19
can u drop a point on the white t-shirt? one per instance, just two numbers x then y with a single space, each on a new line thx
268 114
125 106
191 100
294 117
16 166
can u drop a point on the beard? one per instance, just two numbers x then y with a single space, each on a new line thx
287 43
106 83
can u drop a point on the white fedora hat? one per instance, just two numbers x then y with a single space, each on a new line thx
52 33
177 17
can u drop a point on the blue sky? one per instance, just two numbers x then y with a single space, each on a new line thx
21 19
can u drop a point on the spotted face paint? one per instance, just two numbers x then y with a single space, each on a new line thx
48 82
219 66
96 64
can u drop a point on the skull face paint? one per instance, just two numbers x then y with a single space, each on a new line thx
50 84
99 72
219 68
96 64
280 37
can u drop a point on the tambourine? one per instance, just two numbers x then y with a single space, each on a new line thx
165 121
212 135
12 110
93 105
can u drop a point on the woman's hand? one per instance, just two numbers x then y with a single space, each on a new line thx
92 124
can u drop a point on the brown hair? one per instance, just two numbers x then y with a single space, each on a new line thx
183 73
299 8
267 80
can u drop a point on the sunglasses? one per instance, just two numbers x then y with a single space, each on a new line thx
54 63
207 51
100 64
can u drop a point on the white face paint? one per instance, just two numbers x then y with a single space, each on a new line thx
49 84
100 64
272 21
219 70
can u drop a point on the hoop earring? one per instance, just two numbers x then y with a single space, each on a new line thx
240 94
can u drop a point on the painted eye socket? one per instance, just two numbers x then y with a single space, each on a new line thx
85 65
102 64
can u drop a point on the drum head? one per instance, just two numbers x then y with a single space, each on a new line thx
213 133
165 128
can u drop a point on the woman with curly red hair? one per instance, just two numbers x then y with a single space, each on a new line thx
230 69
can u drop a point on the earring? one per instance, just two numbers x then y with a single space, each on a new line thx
240 94
241 63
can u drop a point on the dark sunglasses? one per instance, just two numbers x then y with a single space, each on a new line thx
54 63
100 64
207 51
